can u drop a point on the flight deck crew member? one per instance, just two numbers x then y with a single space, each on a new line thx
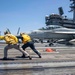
27 42
12 42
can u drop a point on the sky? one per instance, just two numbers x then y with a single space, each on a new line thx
29 14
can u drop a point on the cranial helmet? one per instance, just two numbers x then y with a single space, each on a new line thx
6 32
22 33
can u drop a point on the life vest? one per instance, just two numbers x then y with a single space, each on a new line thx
10 39
26 38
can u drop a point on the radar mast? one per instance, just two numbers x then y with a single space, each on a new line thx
72 6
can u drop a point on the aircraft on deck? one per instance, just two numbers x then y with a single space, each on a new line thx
54 32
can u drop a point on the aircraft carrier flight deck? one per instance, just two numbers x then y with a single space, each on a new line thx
61 57
55 58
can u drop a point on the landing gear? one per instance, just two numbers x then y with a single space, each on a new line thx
68 44
51 44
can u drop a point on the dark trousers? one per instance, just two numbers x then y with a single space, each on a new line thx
31 45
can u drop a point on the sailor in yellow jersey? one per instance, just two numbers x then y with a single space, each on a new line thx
12 42
27 42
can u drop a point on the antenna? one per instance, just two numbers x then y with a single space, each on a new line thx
60 10
18 31
0 33
8 30
72 6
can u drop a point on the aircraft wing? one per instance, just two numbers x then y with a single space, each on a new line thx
72 33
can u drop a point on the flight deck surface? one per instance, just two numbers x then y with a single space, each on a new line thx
61 56
59 62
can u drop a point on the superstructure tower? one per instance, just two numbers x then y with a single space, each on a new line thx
72 6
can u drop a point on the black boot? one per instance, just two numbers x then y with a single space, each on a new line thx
4 58
39 56
29 57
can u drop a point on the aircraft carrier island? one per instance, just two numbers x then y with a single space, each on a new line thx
60 19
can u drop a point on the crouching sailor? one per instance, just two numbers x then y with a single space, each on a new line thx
12 42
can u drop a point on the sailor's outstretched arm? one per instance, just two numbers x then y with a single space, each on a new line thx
1 37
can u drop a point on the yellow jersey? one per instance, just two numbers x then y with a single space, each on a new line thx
9 38
26 38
